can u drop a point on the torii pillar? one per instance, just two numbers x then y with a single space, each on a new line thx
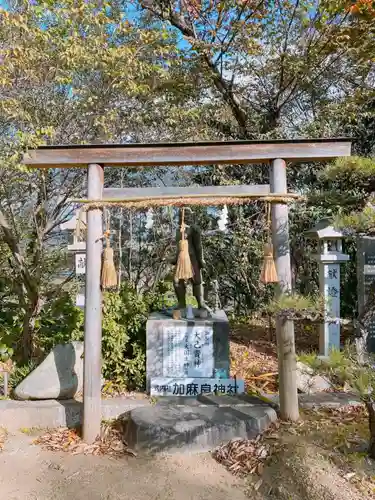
93 310
286 352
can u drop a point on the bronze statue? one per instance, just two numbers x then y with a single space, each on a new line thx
193 236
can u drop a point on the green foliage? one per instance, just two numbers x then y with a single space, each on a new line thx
62 80
342 367
310 359
123 340
354 182
296 304
21 372
5 353
356 168
61 321
357 222
124 335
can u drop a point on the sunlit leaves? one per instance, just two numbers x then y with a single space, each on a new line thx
81 59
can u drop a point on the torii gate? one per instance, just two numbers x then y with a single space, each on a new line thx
96 157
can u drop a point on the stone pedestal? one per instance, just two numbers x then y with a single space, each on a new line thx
183 348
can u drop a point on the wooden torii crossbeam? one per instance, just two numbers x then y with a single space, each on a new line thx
96 157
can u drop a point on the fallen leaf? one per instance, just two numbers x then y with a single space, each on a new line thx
258 484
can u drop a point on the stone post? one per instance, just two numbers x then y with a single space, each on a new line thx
329 259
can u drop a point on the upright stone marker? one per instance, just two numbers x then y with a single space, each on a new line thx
329 258
366 279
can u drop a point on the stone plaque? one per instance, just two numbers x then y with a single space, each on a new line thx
180 348
188 351
366 278
169 386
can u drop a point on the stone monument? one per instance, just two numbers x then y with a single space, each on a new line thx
366 281
189 355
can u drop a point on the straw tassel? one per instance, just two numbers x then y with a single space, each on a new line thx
109 274
268 273
184 269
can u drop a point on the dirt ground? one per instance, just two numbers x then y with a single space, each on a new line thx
29 473
323 456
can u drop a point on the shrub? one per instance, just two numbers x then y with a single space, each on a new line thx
21 372
60 322
297 306
124 335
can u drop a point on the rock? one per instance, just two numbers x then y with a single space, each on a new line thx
59 376
309 383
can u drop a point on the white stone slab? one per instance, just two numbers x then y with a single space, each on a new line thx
170 386
369 269
331 257
188 351
78 246
80 300
80 263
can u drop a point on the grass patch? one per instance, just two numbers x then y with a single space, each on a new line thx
310 359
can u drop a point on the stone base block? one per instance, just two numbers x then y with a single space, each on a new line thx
195 427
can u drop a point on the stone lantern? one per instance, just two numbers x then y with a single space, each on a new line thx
329 257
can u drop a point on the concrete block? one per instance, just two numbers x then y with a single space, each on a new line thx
321 400
52 413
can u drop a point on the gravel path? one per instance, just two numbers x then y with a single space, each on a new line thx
29 473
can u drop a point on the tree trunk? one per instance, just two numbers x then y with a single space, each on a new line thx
370 405
31 314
